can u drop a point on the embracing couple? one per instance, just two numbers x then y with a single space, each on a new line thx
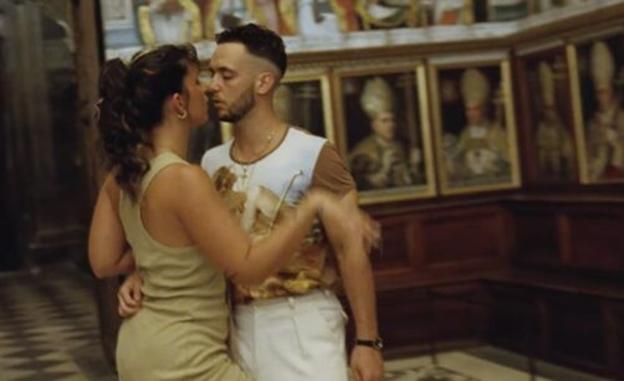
233 264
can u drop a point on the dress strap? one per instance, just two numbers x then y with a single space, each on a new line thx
157 164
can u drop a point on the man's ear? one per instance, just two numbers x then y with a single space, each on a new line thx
265 82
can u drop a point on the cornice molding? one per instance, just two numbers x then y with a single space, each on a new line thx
436 38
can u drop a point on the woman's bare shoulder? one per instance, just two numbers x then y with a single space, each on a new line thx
183 174
111 187
181 179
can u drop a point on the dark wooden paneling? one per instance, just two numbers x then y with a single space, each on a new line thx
577 333
614 322
560 233
426 247
404 317
474 234
460 312
565 326
428 316
536 234
578 240
513 319
596 240
396 245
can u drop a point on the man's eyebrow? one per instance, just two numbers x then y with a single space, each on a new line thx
220 67
224 68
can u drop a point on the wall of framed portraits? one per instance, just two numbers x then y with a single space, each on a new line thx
486 136
493 167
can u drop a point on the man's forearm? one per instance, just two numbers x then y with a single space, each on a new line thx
359 286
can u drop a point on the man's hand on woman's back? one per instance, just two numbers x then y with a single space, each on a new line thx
129 296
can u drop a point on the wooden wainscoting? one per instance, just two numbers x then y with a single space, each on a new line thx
537 236
426 272
593 238
437 245
446 277
582 233
614 321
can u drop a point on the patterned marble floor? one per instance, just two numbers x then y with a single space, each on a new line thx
48 332
48 327
478 364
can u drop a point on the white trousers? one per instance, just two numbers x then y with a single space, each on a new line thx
300 338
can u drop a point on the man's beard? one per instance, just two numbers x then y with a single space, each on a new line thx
241 107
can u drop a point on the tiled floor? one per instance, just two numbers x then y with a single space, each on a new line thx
478 364
48 328
48 332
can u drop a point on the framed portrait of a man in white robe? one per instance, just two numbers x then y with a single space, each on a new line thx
597 75
384 130
548 123
474 121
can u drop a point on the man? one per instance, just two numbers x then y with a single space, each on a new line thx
292 326
605 128
482 147
554 144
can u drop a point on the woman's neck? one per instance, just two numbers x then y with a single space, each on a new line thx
170 137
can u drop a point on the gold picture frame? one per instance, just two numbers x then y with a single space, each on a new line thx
396 166
311 85
484 157
600 141
548 131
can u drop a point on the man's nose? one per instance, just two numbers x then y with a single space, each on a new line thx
212 86
206 87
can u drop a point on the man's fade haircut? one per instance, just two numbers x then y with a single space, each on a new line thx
259 41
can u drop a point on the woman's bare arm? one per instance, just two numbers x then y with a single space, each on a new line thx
214 230
109 252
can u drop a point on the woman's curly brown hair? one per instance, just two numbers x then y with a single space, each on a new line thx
131 105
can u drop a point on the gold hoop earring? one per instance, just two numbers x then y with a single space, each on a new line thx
183 115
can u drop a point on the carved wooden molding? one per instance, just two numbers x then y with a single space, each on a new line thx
381 43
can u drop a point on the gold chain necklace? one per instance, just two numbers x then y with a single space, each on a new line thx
249 167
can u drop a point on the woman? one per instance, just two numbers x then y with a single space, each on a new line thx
158 211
